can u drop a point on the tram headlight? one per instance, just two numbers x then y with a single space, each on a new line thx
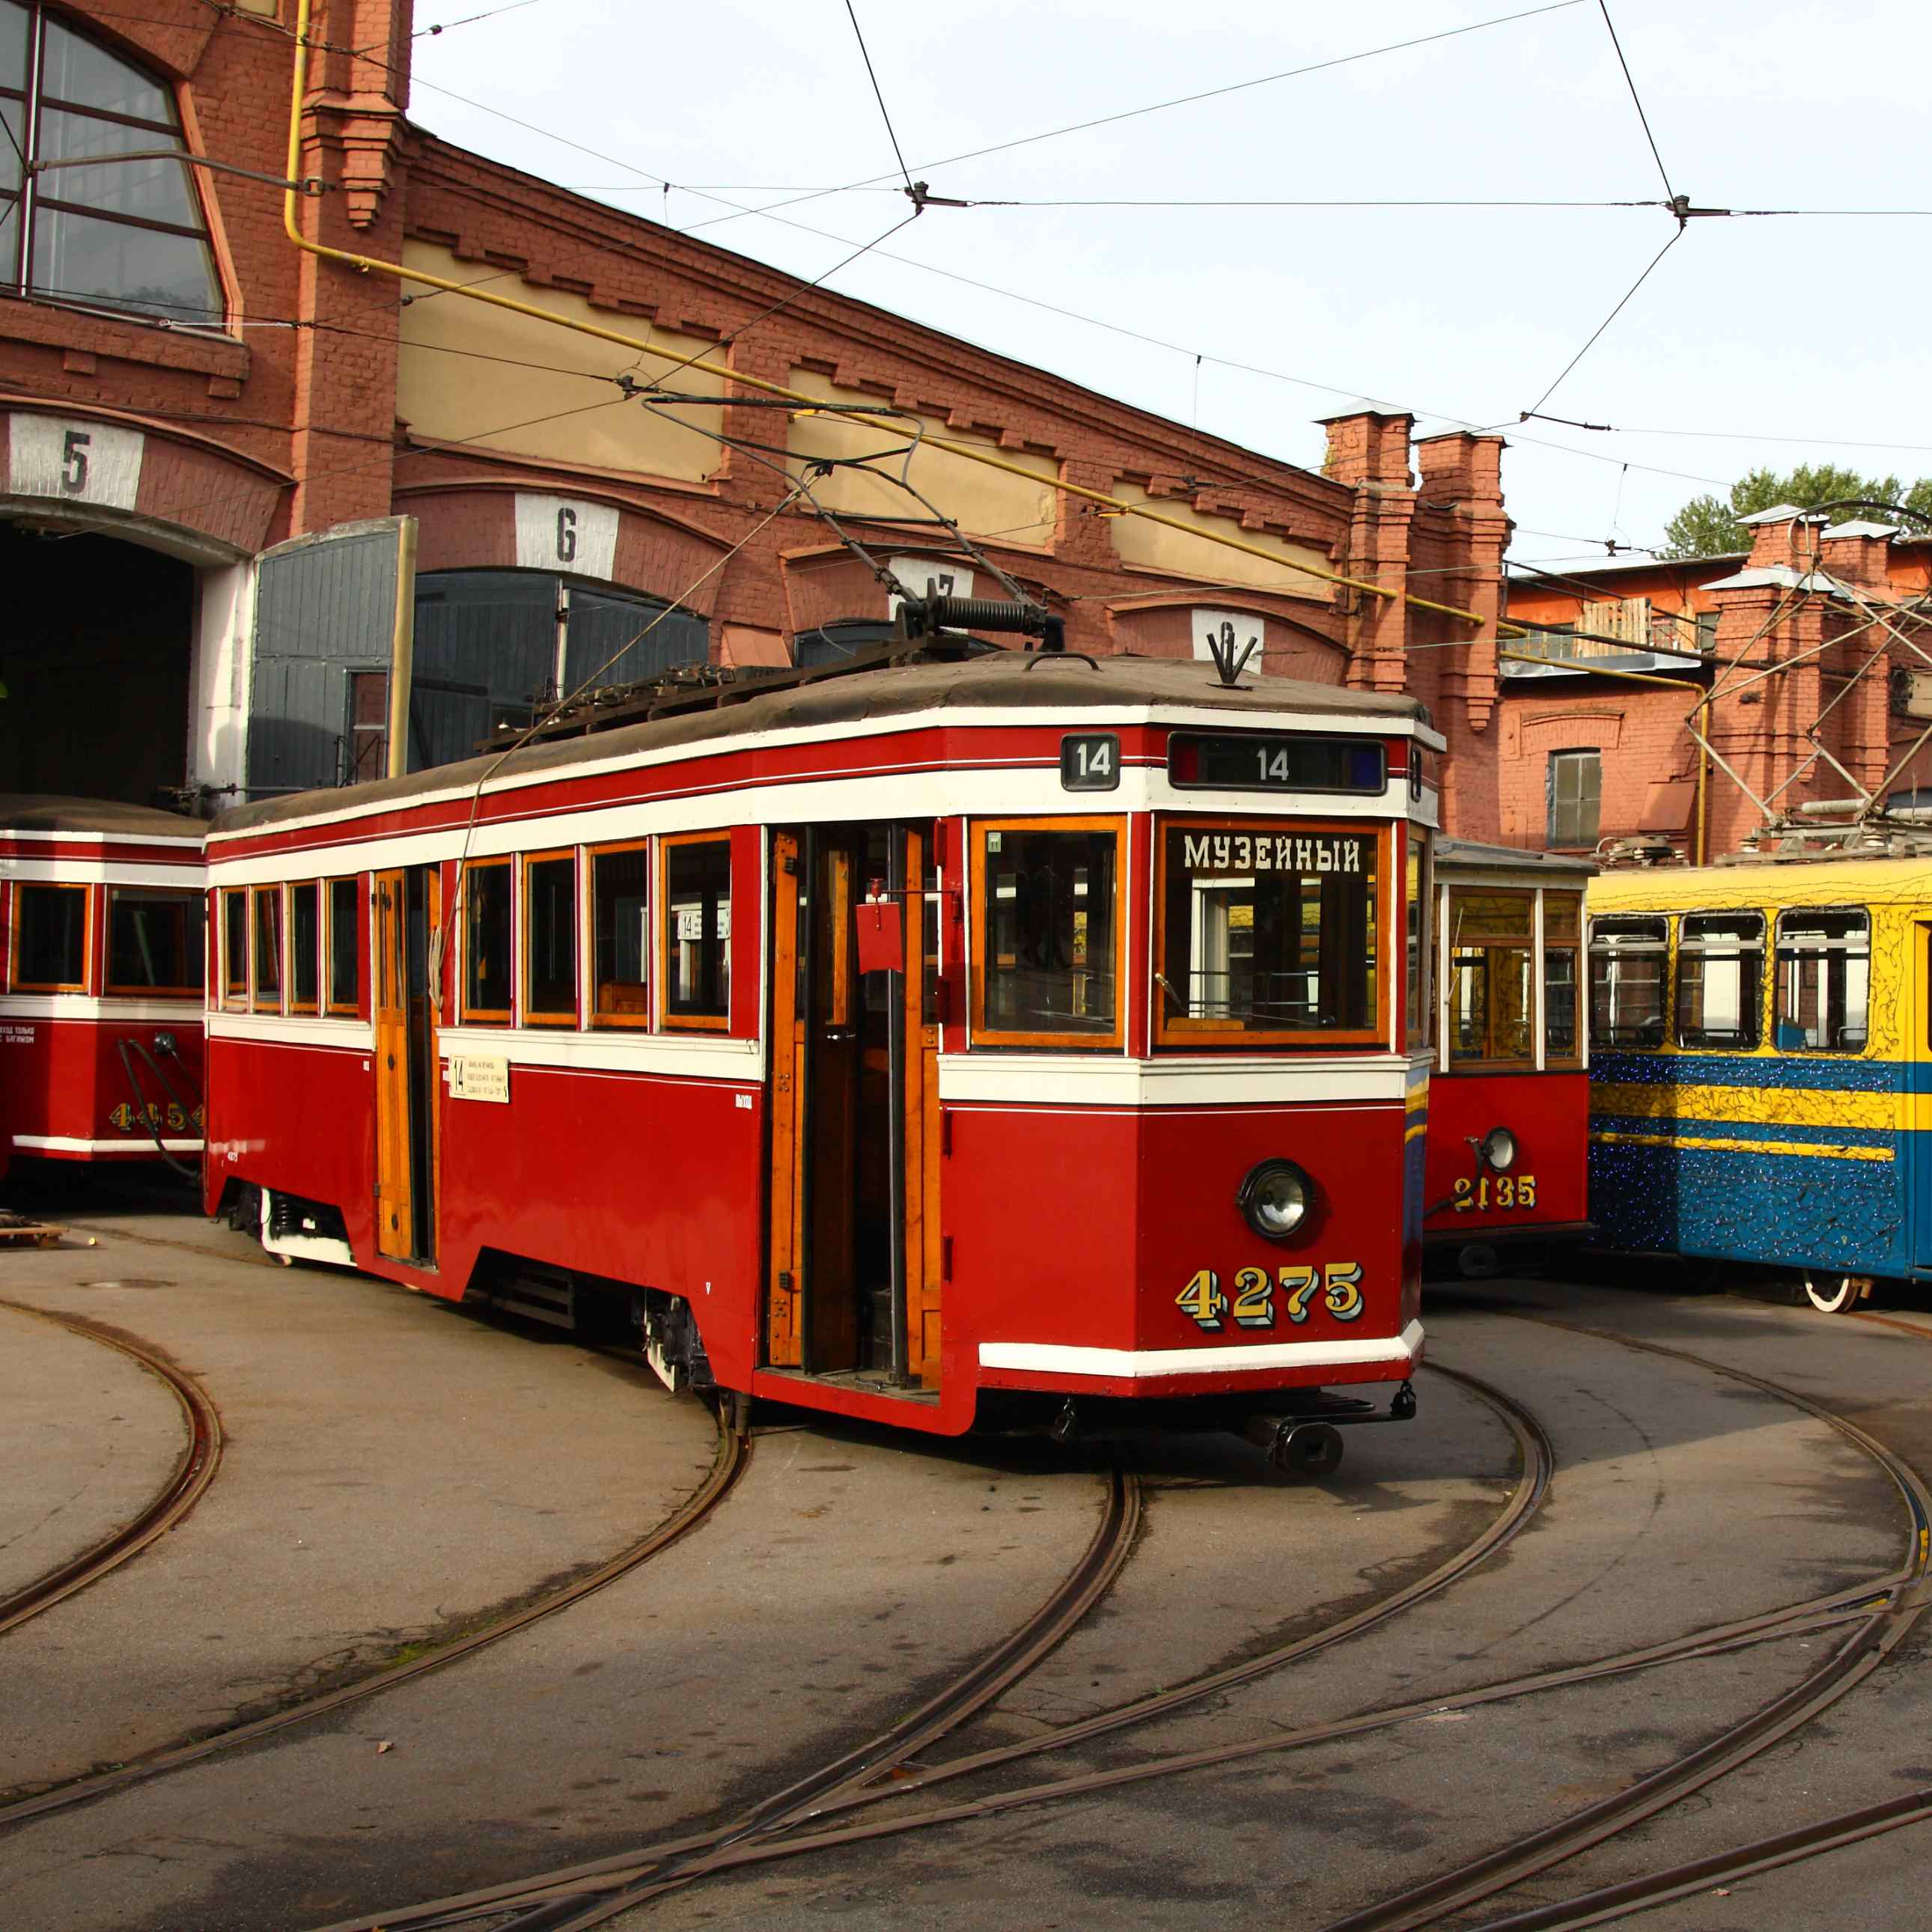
1499 1149
1275 1198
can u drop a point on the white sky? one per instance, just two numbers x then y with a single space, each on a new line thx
1765 330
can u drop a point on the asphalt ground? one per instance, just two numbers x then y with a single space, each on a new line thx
395 1468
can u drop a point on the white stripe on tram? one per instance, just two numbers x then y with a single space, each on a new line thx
1099 1080
69 1143
1050 1358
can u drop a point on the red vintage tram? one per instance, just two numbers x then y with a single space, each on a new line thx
1509 1109
1013 1036
101 912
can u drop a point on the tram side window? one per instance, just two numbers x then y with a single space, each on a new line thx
550 917
486 941
1417 902
1491 994
303 941
155 941
345 946
1562 928
235 946
620 936
697 932
50 951
268 980
1720 979
1045 938
1824 977
1628 966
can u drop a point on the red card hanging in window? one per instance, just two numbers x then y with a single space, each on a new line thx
881 936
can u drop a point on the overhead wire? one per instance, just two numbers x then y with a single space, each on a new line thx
878 94
1596 333
1630 81
470 19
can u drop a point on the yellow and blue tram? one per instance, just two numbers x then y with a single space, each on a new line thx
1762 1066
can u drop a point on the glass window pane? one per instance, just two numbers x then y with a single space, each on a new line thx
1047 899
551 886
1559 1002
1627 971
49 935
82 72
154 940
12 113
1416 892
304 907
268 945
235 945
1480 916
345 949
1720 979
1270 932
155 190
13 45
621 916
81 258
1824 967
1562 915
1490 1009
486 925
697 929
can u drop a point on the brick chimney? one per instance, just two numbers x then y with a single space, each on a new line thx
1368 448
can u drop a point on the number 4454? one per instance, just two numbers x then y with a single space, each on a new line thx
1252 1304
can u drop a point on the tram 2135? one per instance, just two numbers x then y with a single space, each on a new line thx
101 913
1509 1109
1016 1039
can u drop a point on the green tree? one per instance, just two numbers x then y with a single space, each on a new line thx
1708 526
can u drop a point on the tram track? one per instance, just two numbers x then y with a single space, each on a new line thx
194 1469
732 1456
583 1896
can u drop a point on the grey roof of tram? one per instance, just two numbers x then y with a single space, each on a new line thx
1465 852
43 811
1001 680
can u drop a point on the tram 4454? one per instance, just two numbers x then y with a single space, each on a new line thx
1010 1040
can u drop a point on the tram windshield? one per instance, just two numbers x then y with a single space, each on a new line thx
1491 991
1268 933
1629 958
1047 937
1824 971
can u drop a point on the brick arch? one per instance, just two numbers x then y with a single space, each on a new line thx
1593 730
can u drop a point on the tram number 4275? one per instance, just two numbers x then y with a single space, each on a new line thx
1253 1303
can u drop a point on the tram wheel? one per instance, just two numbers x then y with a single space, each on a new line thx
1312 1449
1832 1294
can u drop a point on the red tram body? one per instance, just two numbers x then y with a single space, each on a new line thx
101 912
1509 1108
1014 1037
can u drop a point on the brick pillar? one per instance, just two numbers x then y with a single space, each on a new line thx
1461 475
345 370
1369 453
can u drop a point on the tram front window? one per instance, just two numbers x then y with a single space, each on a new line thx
1628 958
1562 925
1824 971
1267 934
1720 979
154 940
1047 943
1490 990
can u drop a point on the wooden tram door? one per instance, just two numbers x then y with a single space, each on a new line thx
853 1279
405 909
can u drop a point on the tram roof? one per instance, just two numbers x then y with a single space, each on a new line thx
1815 880
1467 854
996 681
25 811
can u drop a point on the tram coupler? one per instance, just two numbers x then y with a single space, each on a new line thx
1307 1441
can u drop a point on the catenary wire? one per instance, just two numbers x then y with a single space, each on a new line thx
470 19
878 94
1598 331
1602 7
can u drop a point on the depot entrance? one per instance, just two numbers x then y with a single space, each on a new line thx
94 636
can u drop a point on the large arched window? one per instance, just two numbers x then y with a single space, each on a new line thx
120 234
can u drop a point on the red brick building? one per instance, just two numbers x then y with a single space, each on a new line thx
220 448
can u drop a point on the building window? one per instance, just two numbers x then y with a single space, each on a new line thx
697 932
1575 789
154 940
486 941
368 726
304 948
268 949
1824 979
119 234
621 937
345 949
549 921
50 938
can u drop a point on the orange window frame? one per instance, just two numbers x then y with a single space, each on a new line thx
1523 942
485 1015
638 1017
1089 1042
331 1005
290 1002
1184 1032
687 1022
269 899
533 1014
234 972
21 888
188 896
